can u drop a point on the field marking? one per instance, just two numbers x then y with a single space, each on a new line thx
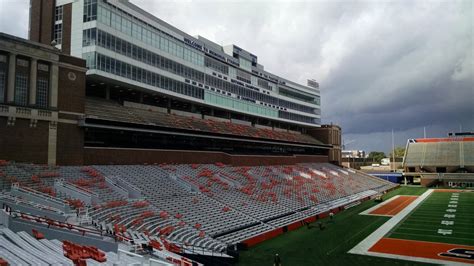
380 209
363 247
366 212
421 250
453 190
433 236
403 204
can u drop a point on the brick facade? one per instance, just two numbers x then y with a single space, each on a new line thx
71 86
66 41
329 134
23 143
41 21
70 150
50 134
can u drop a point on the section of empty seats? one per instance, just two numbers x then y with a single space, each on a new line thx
239 236
271 194
31 247
171 204
44 249
20 252
109 110
208 206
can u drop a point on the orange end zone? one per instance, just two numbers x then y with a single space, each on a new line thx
422 249
394 206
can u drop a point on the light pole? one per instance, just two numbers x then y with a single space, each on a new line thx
352 155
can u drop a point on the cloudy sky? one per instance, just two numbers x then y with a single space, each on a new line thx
381 65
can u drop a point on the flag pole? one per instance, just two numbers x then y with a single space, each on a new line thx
393 152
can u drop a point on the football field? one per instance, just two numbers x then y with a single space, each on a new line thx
437 227
329 246
446 217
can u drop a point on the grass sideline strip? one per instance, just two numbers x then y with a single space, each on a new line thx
305 247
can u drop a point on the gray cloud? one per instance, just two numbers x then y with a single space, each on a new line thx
380 64
14 17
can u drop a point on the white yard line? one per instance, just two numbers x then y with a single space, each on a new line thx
418 259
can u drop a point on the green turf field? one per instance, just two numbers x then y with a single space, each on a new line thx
442 217
328 247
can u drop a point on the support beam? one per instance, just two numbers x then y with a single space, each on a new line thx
107 92
33 77
52 142
54 75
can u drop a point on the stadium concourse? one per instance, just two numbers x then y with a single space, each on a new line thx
185 213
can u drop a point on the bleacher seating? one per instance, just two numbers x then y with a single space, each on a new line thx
207 207
440 153
109 110
21 248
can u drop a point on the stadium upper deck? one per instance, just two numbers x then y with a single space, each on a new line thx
131 55
441 161
442 155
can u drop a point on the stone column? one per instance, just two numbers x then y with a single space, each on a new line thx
33 77
11 78
52 142
53 79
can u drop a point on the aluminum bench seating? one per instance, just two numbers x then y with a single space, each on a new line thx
11 258
20 252
59 257
112 259
14 238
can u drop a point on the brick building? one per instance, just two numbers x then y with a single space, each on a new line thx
41 101
147 92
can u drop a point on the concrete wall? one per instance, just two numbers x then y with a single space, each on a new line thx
17 225
140 156
187 114
34 211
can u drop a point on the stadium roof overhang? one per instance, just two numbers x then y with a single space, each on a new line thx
89 124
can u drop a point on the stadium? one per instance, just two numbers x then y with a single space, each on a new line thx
446 162
125 141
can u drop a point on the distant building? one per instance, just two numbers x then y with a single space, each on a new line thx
353 154
461 134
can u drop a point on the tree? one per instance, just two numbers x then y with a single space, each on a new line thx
376 156
399 152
